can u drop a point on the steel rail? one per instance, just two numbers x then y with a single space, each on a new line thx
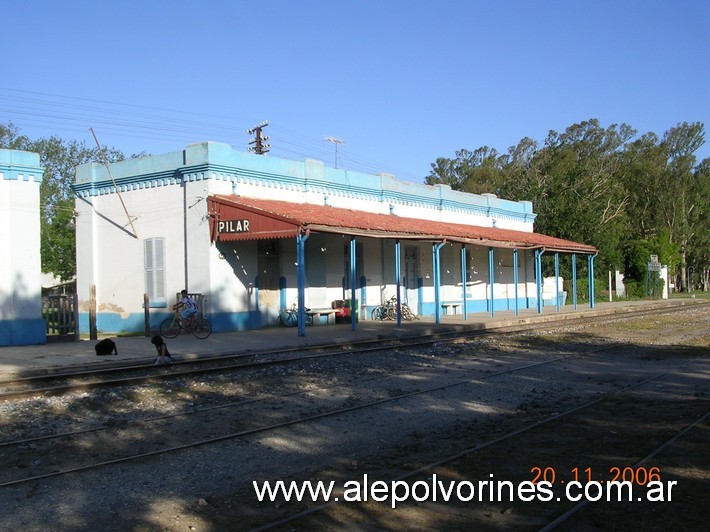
379 345
305 419
577 507
471 450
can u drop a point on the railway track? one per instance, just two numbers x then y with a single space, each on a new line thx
541 516
57 383
507 399
29 446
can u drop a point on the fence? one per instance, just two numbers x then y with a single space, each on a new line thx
61 313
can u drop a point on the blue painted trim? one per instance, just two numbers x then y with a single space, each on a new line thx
437 280
398 273
557 279
20 165
538 278
301 274
590 262
236 321
464 278
353 281
574 280
216 161
515 279
363 290
23 332
491 279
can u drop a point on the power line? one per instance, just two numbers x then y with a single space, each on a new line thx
49 112
336 142
258 142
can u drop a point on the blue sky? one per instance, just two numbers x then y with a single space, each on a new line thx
400 82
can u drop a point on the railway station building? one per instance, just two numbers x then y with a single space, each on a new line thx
254 235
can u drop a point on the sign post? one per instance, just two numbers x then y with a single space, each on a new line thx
653 267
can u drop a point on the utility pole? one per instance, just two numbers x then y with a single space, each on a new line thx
336 142
259 147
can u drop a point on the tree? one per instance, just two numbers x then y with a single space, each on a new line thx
573 182
698 249
59 158
10 138
602 186
477 172
669 193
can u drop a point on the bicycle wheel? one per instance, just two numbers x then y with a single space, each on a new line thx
288 318
407 313
391 313
201 328
379 313
170 327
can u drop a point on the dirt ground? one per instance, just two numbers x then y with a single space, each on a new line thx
460 434
603 443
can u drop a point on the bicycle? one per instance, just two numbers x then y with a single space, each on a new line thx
289 316
200 327
388 311
384 311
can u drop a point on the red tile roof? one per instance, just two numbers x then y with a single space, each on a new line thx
323 218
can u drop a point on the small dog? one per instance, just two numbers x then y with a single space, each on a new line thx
106 347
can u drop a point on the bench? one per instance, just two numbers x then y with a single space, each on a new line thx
314 315
446 306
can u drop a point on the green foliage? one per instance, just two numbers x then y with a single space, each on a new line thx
669 252
59 158
58 247
10 138
583 290
627 196
637 255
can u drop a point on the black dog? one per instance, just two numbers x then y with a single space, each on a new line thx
106 347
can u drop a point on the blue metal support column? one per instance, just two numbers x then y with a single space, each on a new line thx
353 282
437 281
538 278
515 278
398 273
557 281
491 278
282 294
301 277
256 293
590 262
463 281
574 280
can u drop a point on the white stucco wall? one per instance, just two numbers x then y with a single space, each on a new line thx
21 320
166 197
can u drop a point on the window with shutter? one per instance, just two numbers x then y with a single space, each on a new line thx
154 260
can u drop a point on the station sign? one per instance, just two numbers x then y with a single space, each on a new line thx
654 265
233 226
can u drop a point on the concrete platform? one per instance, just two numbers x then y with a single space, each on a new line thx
18 361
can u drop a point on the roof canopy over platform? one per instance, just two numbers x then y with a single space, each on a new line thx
235 218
